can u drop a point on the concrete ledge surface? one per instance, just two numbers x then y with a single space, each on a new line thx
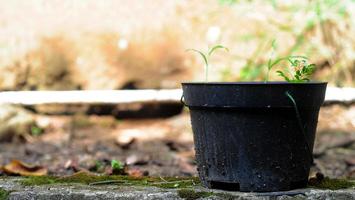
80 191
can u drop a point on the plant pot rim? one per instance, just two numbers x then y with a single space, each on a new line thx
254 83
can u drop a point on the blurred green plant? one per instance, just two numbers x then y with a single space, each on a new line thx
229 2
36 131
4 194
325 36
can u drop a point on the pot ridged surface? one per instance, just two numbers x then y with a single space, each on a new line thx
248 136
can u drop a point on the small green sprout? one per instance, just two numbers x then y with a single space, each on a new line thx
206 56
36 131
117 167
301 71
293 61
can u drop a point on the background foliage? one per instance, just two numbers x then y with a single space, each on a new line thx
65 45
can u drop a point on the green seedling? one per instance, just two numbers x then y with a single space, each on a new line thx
117 167
301 71
206 56
295 62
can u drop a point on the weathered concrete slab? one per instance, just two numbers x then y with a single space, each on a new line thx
80 191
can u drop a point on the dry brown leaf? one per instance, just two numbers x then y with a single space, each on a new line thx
16 167
135 172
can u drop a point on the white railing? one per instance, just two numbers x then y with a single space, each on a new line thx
333 95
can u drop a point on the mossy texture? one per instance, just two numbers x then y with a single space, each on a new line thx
189 194
332 184
4 194
92 179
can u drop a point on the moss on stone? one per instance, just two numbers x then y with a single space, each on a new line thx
4 194
332 184
225 196
190 194
38 180
93 179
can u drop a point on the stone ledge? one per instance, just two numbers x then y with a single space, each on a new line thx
80 191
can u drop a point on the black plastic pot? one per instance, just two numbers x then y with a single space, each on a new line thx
254 136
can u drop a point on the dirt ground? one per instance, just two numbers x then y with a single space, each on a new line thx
160 147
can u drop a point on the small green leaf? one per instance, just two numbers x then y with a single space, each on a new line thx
202 55
217 47
307 71
280 73
291 61
311 68
298 73
269 64
296 63
286 58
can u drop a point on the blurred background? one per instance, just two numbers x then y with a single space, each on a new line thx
119 44
64 45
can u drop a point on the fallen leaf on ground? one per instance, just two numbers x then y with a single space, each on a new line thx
17 167
135 172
